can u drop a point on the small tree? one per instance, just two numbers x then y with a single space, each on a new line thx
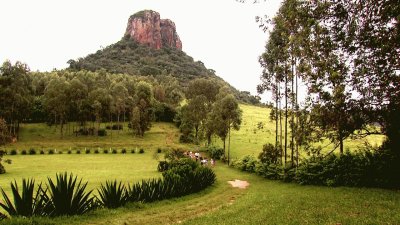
2 153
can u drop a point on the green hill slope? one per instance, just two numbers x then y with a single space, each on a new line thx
129 57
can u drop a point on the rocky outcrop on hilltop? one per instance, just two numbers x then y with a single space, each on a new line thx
147 28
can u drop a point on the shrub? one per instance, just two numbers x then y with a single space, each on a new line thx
105 151
102 132
270 171
114 151
117 127
32 151
214 152
69 152
78 151
123 151
141 151
23 152
174 154
113 194
162 166
247 163
133 151
42 152
60 152
67 197
159 150
13 152
270 154
96 151
87 151
51 151
25 203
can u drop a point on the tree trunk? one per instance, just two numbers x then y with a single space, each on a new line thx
280 124
292 120
297 122
229 144
224 147
286 115
276 114
61 126
117 123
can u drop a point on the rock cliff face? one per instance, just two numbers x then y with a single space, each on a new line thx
147 28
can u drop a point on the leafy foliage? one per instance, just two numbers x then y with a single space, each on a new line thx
215 152
112 194
25 203
68 197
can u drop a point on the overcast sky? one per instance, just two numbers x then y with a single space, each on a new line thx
222 34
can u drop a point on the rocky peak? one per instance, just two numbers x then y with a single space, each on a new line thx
147 28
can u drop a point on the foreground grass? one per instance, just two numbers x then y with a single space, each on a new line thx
94 168
264 202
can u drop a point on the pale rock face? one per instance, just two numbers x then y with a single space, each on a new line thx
147 28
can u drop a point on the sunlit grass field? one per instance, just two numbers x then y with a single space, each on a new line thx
263 202
41 136
94 168
249 140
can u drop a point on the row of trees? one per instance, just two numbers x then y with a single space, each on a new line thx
59 97
89 98
348 57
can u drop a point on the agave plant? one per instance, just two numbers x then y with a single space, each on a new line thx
113 194
2 216
67 197
25 204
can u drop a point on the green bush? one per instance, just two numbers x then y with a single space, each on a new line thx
105 151
269 171
141 151
42 152
123 151
270 154
102 132
25 203
78 151
247 163
68 197
112 194
60 152
114 151
162 166
87 151
215 152
23 152
159 150
51 151
69 152
32 151
96 151
133 151
13 152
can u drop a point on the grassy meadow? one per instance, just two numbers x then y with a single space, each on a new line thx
263 202
249 140
42 136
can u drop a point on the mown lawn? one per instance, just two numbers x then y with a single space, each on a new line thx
94 168
263 202
41 136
